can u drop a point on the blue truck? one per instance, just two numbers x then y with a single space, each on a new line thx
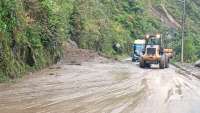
137 49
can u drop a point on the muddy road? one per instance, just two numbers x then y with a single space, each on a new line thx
102 88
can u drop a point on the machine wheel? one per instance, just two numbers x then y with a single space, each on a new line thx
166 62
133 60
142 63
162 62
147 65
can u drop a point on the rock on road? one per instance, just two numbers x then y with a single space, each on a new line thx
102 88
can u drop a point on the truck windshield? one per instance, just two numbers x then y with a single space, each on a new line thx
153 41
138 47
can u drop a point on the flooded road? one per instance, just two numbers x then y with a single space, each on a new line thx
102 88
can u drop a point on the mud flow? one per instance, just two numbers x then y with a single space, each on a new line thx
102 87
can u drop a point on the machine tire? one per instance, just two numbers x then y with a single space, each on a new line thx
162 62
166 62
142 63
134 60
147 65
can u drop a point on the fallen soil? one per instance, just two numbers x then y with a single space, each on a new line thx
162 13
85 82
102 87
75 56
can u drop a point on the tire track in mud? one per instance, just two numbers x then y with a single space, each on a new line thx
103 88
105 97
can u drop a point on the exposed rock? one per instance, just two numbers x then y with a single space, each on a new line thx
197 64
72 44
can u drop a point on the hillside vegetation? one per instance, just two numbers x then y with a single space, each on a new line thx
32 32
98 24
192 39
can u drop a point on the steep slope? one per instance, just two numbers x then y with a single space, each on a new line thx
33 31
31 34
98 24
175 9
164 16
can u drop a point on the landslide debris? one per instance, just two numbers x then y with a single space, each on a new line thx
75 56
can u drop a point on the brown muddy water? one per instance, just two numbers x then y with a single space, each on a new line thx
102 88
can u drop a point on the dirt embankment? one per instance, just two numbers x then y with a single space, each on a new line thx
165 17
75 56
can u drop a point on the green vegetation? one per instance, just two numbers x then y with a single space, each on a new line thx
31 34
192 40
32 31
98 24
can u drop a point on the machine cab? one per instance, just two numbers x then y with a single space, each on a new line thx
137 49
153 45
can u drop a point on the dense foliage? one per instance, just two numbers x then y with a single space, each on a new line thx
98 24
31 34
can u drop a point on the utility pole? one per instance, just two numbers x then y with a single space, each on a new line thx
183 30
